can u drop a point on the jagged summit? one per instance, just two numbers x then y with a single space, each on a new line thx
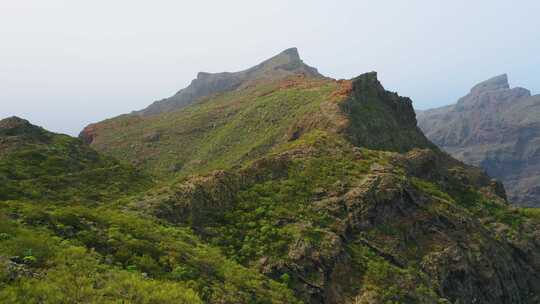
499 82
491 93
279 66
496 127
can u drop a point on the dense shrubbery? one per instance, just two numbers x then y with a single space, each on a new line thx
264 219
75 275
61 168
118 250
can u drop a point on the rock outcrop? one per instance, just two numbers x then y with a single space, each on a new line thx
380 119
495 127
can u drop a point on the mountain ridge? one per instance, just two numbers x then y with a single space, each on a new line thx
285 63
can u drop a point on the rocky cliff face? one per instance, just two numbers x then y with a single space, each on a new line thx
495 127
284 64
380 119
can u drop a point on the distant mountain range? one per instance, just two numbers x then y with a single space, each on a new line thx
497 128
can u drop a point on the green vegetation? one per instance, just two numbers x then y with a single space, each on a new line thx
215 133
269 215
302 209
384 282
54 167
109 255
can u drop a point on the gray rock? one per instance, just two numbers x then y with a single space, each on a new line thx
495 127
282 65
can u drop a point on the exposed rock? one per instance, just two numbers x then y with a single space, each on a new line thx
88 133
379 119
280 66
499 82
495 127
463 260
152 136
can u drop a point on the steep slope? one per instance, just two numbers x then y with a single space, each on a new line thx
40 165
330 188
284 64
231 128
495 127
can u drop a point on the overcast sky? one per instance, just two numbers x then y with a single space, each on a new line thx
64 64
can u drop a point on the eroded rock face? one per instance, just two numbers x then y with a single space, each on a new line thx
380 119
87 134
495 127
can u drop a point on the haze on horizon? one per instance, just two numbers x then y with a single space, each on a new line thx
65 64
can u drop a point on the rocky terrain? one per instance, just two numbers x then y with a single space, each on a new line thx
497 128
286 63
293 189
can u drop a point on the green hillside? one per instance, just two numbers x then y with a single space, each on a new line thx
40 165
230 129
65 238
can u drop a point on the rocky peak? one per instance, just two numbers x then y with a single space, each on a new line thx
381 119
287 56
282 65
492 93
293 52
499 82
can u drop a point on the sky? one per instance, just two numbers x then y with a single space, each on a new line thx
67 63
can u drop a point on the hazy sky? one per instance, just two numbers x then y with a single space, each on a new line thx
64 64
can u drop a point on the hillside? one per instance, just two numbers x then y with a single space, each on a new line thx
497 128
232 128
40 165
330 188
66 236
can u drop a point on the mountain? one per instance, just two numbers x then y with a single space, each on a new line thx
234 127
284 64
40 165
495 127
328 189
